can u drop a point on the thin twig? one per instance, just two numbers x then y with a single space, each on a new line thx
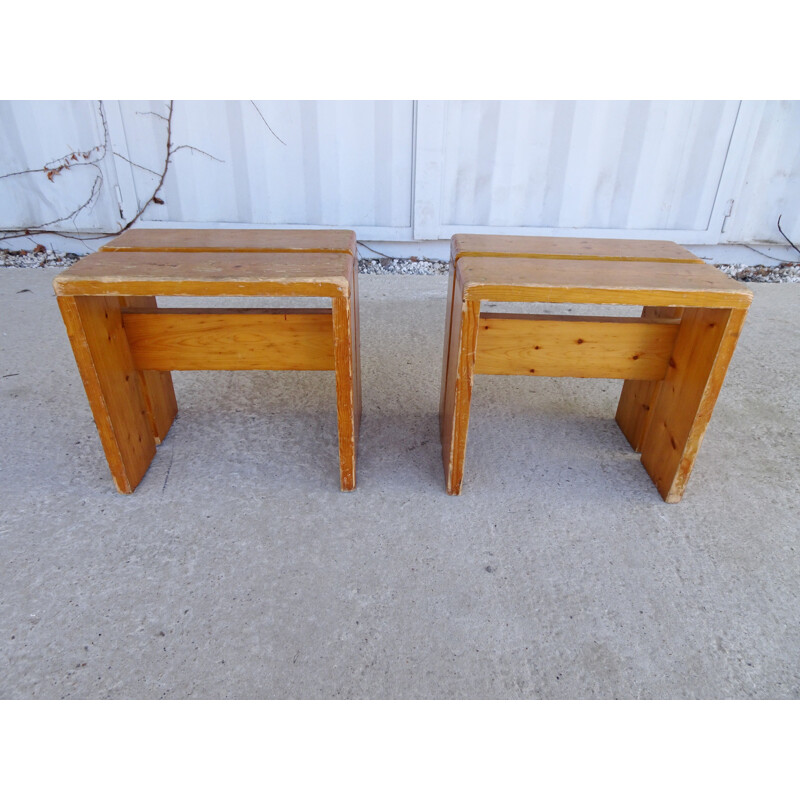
267 123
763 254
373 250
133 163
197 150
785 236
152 113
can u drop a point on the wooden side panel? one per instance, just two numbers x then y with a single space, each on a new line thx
578 347
461 372
638 398
112 384
703 349
230 339
159 392
446 347
348 411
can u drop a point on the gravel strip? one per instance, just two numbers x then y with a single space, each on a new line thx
788 272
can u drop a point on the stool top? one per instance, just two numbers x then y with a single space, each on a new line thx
564 270
467 244
174 240
149 262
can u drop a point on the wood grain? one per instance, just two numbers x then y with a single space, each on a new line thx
113 386
625 282
566 247
461 372
208 274
573 346
448 321
159 392
230 339
347 393
703 349
638 398
233 241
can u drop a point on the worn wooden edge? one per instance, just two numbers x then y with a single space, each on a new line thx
633 295
461 375
193 287
575 257
344 348
460 248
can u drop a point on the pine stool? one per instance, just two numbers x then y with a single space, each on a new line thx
126 347
672 359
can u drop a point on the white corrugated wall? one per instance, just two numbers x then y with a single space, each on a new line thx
692 171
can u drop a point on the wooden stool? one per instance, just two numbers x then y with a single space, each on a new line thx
126 347
673 359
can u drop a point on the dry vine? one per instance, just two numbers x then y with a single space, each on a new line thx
93 158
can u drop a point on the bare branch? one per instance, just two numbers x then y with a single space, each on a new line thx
152 113
140 166
72 159
785 236
267 123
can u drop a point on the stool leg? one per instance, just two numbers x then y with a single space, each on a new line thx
112 384
446 348
457 391
348 383
700 358
159 393
638 398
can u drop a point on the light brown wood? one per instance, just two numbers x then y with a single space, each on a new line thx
565 247
446 347
208 274
348 390
626 283
233 241
638 398
703 349
230 339
159 393
461 373
673 359
141 264
112 384
573 346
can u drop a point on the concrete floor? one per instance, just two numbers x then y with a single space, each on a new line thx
238 570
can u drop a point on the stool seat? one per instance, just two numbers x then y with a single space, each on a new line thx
673 359
126 347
